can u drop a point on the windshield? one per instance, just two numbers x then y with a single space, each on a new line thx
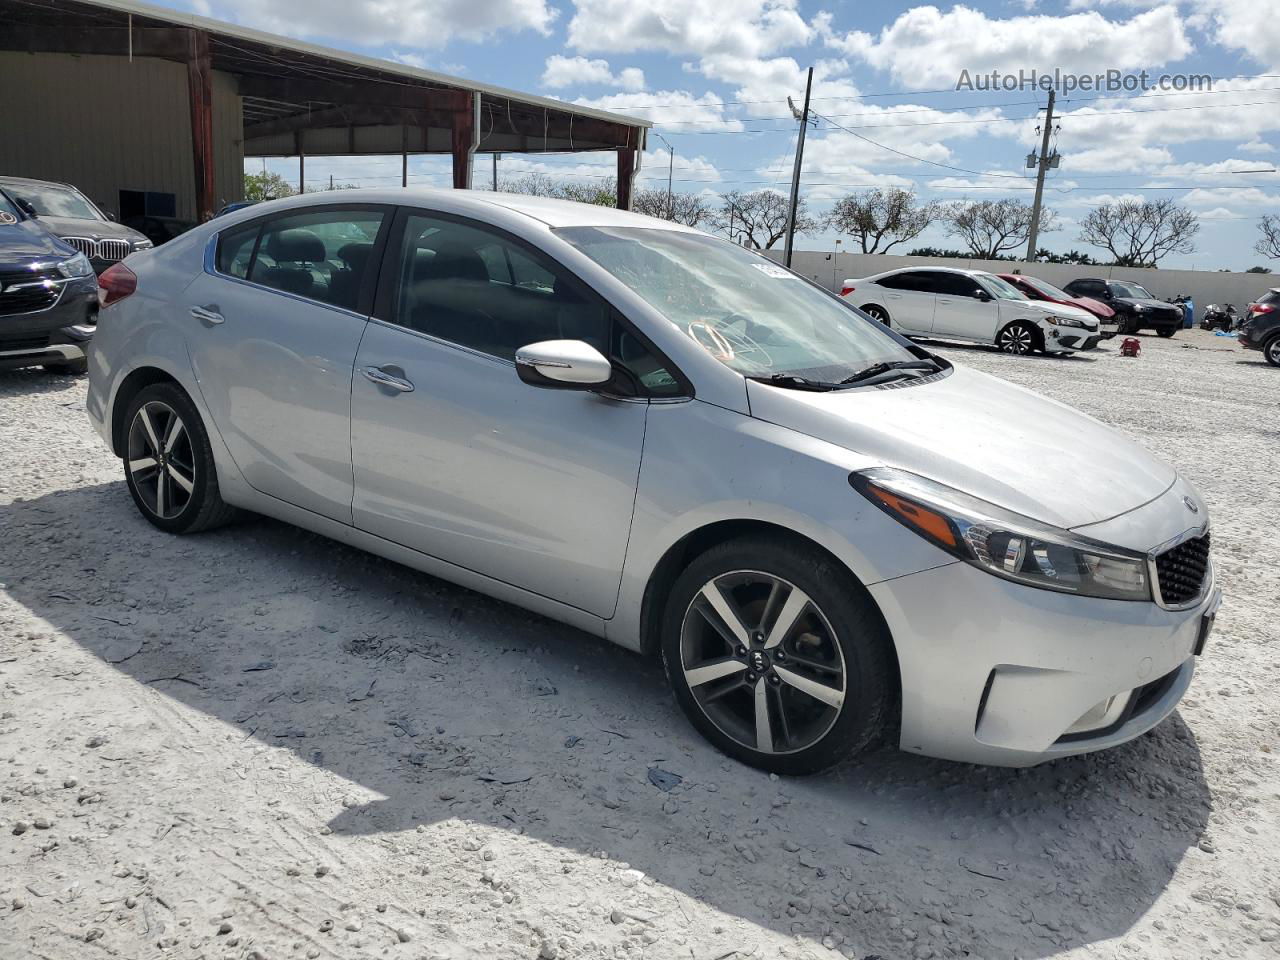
1119 289
53 201
1000 288
751 314
1046 289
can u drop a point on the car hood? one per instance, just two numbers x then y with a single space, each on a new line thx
1095 307
1151 303
27 240
94 229
1053 308
992 439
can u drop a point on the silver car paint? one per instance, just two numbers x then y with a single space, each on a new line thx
709 460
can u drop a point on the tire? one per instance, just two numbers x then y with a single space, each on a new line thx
186 461
1167 332
877 313
828 685
1128 326
1271 350
71 368
1019 338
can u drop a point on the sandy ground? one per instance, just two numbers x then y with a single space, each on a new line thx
259 744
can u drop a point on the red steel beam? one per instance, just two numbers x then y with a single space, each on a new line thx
200 89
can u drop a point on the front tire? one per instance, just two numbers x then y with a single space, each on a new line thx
168 463
1018 337
1167 332
777 656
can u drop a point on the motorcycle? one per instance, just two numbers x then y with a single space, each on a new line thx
1223 317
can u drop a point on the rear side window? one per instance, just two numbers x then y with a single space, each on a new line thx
235 250
1087 288
322 255
917 281
1271 297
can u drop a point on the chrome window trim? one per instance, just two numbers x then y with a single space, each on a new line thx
211 268
1153 573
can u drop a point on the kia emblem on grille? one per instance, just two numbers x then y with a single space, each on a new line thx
1191 504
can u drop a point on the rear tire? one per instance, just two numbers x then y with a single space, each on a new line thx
877 313
793 699
1167 332
1271 350
168 463
1019 338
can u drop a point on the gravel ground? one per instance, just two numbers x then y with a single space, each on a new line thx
257 743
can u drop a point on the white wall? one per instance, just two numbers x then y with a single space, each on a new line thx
832 269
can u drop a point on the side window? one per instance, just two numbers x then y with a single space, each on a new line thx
476 288
322 255
235 250
912 280
953 284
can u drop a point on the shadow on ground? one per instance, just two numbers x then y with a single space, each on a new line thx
450 705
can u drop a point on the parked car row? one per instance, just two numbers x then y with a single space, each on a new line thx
979 307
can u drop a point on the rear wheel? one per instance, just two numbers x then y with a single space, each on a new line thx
1167 332
1271 350
776 656
1018 337
168 462
877 313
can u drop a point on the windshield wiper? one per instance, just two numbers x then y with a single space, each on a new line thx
793 382
877 369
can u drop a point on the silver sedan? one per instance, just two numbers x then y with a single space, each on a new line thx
824 530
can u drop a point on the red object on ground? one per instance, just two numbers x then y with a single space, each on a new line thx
1131 347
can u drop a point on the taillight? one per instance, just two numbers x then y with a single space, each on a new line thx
1263 308
845 291
116 283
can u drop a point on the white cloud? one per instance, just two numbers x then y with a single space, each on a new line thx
694 113
419 23
1250 26
1237 200
1117 158
1256 145
579 71
927 47
409 59
748 28
763 85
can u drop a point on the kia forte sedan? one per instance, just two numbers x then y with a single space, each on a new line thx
825 531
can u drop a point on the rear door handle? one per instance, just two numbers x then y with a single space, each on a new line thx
382 378
208 314
894 296
941 300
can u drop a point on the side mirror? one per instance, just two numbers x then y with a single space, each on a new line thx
563 365
110 216
26 206
983 296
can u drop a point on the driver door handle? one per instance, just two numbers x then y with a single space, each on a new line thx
208 314
382 378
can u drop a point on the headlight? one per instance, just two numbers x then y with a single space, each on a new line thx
1140 308
1005 543
1066 322
142 245
77 266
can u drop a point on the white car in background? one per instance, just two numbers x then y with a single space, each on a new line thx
949 303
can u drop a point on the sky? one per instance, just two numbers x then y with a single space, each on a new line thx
714 77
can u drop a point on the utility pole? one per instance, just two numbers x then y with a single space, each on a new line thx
671 159
803 117
1042 168
495 171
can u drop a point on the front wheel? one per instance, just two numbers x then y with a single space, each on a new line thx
168 463
1018 337
777 656
1167 332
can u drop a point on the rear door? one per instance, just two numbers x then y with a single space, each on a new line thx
909 298
961 311
273 325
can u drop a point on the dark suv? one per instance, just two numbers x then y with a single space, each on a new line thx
72 216
1135 308
48 295
1261 328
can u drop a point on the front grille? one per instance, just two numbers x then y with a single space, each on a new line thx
113 250
83 244
27 343
1181 571
17 295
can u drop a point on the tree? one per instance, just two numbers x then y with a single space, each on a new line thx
1071 256
1139 232
690 209
760 218
266 186
881 219
1269 242
992 227
1258 270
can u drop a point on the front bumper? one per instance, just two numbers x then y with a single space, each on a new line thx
1071 338
57 334
998 673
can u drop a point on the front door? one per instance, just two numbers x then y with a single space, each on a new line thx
457 458
964 310
909 298
273 332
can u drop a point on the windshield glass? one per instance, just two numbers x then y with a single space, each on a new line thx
751 314
53 201
1000 288
1046 289
1119 289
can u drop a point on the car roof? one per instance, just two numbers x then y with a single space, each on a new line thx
962 270
550 211
32 180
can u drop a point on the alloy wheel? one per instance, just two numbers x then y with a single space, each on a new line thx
1273 351
1016 339
762 662
160 461
877 313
